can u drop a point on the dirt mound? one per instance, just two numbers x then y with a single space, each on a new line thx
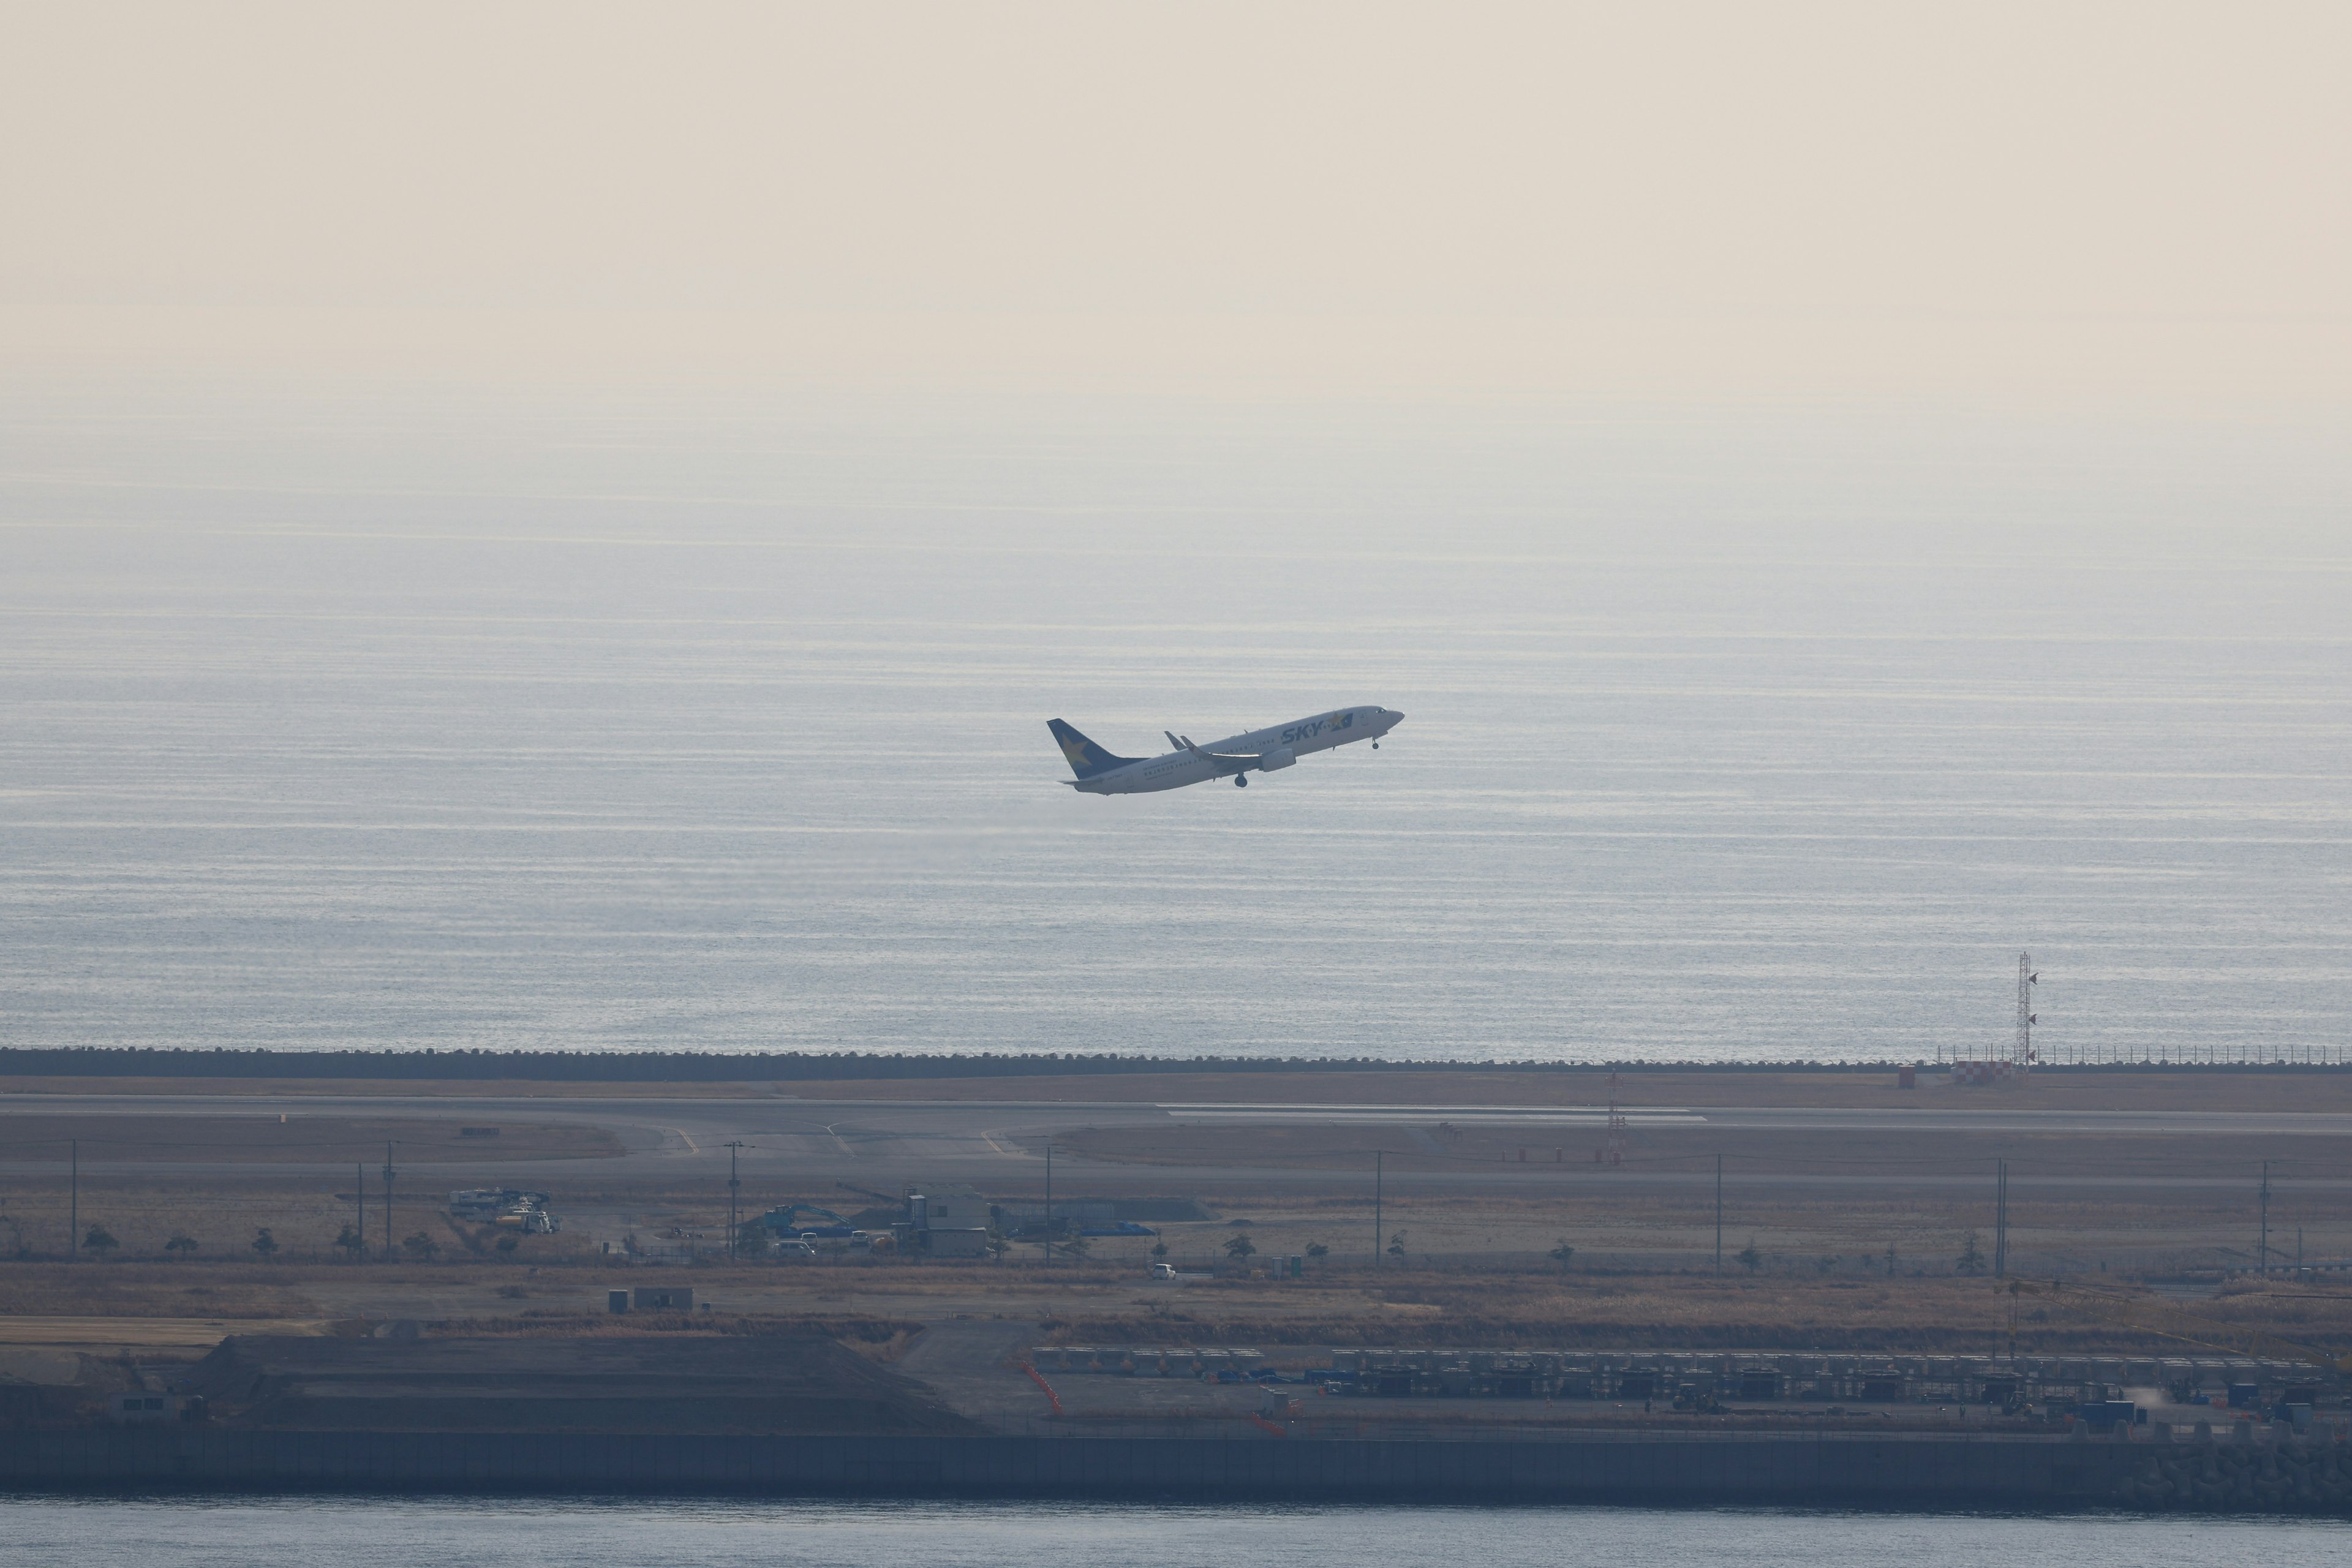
667 1383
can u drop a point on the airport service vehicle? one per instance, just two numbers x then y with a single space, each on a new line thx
1235 757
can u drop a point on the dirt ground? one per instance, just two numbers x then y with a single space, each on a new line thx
776 1381
1407 1304
1801 1212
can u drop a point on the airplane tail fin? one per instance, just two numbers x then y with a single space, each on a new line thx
1085 758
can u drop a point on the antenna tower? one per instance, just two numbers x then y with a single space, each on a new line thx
2021 1058
1992 1067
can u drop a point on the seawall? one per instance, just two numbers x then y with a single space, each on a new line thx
2031 1472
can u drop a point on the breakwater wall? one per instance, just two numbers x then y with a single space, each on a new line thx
716 1066
1829 1469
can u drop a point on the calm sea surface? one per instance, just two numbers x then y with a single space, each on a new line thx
722 727
368 1532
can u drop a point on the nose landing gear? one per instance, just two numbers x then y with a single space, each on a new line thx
1376 745
1241 781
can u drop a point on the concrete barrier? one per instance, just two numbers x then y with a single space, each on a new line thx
1610 1467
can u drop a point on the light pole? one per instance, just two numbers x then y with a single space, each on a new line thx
2262 1257
2000 1219
1379 1230
733 1187
73 1200
388 1174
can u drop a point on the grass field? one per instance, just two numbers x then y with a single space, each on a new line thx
135 1304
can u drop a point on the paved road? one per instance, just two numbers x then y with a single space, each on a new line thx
999 1145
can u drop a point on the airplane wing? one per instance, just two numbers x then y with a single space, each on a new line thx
1234 760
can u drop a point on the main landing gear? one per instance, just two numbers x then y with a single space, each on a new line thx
1376 745
1241 781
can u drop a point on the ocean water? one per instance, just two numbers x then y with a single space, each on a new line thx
719 723
392 1533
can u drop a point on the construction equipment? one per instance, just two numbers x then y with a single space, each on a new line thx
785 1220
2150 1315
508 1206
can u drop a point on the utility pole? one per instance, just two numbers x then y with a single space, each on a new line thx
73 1202
733 1207
1379 1231
2262 1256
1049 1202
359 1200
388 1174
1718 1214
2000 1219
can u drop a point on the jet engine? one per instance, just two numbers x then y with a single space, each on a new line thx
1281 757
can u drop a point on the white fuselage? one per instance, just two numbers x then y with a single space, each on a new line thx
1174 770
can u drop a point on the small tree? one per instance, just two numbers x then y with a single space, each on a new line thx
1562 1255
1971 1260
1890 1261
181 1243
1239 1247
99 1241
1396 1247
420 1247
1750 1259
1159 1250
264 1243
1825 1264
1318 1251
351 1241
998 1243
506 1245
1077 1247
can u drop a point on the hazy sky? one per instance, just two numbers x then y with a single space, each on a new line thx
2016 204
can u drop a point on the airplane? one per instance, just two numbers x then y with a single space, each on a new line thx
1100 773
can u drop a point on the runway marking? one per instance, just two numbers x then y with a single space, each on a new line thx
1337 1117
1449 1111
680 1133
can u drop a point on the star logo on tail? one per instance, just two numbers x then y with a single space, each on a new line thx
1075 751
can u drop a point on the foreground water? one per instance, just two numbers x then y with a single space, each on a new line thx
395 1532
724 728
